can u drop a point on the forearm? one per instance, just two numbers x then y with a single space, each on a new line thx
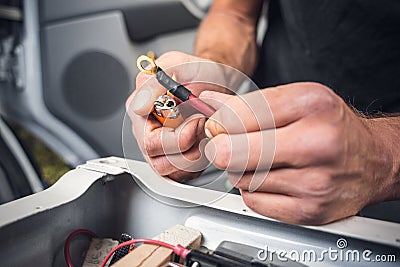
385 132
228 34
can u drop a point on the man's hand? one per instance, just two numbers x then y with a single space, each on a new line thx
328 162
172 152
227 35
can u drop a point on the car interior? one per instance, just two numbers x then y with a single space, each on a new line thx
66 70
68 67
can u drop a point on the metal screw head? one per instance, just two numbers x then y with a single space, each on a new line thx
165 106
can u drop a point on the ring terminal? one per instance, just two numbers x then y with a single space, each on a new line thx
143 62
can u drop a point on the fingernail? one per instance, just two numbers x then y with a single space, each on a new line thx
208 133
203 94
210 151
140 100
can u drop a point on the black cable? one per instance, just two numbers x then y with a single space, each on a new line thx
175 88
122 251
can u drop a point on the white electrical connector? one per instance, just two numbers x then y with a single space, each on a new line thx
98 250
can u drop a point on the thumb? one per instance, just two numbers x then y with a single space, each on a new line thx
142 100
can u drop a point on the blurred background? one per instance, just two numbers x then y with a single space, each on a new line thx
66 69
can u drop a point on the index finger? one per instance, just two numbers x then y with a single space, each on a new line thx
267 109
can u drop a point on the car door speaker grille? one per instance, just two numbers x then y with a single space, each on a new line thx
95 84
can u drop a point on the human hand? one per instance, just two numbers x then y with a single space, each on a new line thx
328 162
175 153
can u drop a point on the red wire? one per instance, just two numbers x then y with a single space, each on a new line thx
68 243
178 249
201 106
